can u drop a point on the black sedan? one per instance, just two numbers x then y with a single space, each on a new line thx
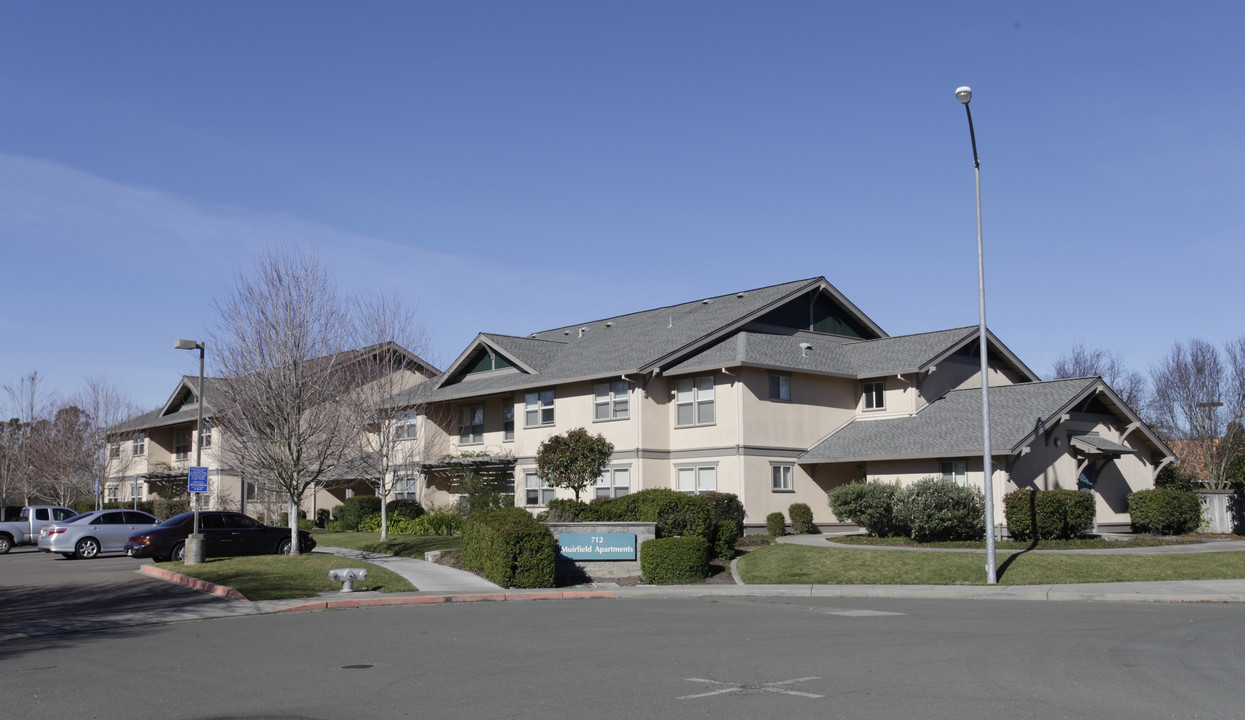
225 534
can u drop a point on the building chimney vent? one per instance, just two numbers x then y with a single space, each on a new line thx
804 348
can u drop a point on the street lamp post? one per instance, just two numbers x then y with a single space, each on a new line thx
964 94
194 543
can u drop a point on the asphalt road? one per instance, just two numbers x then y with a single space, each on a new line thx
647 658
46 587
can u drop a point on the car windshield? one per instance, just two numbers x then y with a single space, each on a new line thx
177 520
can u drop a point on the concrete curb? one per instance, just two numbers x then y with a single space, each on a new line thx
196 583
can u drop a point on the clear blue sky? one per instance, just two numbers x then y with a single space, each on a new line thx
514 166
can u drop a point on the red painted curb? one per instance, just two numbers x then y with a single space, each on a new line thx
195 583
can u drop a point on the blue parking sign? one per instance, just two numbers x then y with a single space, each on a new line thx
198 480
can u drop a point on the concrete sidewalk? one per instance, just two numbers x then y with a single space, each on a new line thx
425 576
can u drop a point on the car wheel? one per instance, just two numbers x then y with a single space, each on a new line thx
283 547
178 553
87 548
6 542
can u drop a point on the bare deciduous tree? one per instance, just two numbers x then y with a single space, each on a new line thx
60 451
1199 401
280 348
1129 384
106 405
26 405
390 398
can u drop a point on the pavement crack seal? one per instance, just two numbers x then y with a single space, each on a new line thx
46 667
781 687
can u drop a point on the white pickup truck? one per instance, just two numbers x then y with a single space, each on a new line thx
25 530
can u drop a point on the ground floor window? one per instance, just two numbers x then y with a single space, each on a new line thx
111 492
956 470
616 482
781 478
538 493
404 488
696 480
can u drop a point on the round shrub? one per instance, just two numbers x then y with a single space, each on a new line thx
676 514
510 548
1164 511
567 510
323 515
801 518
775 524
352 511
675 560
724 507
404 508
1047 514
869 505
725 537
936 509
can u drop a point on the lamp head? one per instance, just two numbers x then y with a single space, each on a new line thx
964 93
186 345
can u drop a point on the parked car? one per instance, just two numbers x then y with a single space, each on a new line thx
89 534
225 534
25 530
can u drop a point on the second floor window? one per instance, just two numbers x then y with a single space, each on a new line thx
875 395
205 437
693 401
406 428
779 387
470 424
114 450
138 445
181 444
538 408
507 420
609 400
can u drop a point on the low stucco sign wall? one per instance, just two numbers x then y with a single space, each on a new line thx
600 550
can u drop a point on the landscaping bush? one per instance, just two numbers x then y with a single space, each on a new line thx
724 507
801 518
404 508
352 511
725 536
166 508
1175 477
567 510
775 524
674 560
439 523
869 505
340 526
1164 511
323 515
936 509
1047 514
676 514
510 548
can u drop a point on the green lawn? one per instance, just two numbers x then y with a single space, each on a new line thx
276 577
1074 544
413 546
799 564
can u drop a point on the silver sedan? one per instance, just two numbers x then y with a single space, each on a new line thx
89 534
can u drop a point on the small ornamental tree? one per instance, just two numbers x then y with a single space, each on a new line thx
574 460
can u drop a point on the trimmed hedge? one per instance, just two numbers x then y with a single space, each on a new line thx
935 509
1164 511
510 548
1047 514
352 511
801 518
869 505
716 517
775 524
725 536
674 560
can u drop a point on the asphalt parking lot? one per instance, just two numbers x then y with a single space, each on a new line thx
43 587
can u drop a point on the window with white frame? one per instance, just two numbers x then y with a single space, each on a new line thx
111 493
956 470
406 425
538 408
696 480
470 424
693 401
538 492
615 482
181 444
138 445
507 421
404 488
114 450
781 479
609 400
205 435
875 395
780 387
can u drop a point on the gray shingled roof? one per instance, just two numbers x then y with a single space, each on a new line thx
827 354
623 344
951 425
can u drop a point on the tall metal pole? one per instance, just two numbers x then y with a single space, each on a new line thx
964 94
199 432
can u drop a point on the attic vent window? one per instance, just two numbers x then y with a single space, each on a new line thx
706 302
804 348
609 324
566 332
740 295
